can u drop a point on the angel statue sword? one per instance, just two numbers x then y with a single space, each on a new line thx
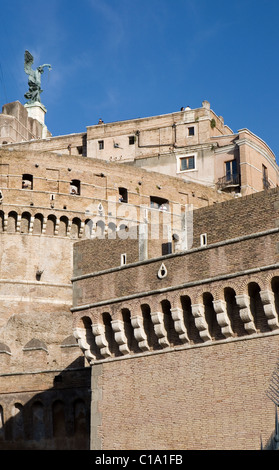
34 78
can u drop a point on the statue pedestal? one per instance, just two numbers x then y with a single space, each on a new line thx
37 111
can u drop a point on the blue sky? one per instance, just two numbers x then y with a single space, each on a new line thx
123 59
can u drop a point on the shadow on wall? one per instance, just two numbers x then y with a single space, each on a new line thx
55 419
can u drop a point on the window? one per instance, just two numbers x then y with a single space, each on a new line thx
123 259
101 144
75 187
131 140
191 131
27 181
159 203
187 163
123 195
203 239
231 170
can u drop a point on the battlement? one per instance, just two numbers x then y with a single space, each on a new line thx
235 266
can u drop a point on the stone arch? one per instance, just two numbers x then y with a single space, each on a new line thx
172 335
112 229
58 419
88 228
100 228
63 226
256 307
75 227
85 338
109 334
18 422
233 311
189 321
38 224
38 421
80 419
210 317
50 224
129 331
148 326
206 289
12 221
25 222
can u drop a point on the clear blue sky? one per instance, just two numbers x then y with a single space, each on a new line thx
123 59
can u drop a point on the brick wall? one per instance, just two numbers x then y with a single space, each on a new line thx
225 221
200 399
195 374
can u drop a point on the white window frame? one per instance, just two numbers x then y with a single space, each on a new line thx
188 155
123 259
203 239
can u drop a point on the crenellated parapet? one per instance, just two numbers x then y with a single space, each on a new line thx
185 318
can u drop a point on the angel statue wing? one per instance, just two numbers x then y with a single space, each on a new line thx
28 61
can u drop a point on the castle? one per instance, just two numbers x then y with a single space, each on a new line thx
139 284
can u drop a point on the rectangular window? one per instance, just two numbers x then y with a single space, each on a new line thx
123 259
101 144
123 195
131 140
27 181
75 187
187 163
203 239
191 131
159 203
231 170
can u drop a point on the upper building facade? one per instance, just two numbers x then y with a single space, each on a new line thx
194 145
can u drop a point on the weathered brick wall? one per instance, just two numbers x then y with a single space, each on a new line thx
46 410
225 221
195 350
210 397
254 213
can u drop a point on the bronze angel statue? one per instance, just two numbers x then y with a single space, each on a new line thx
34 78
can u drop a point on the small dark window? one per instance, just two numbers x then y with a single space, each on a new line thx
123 195
27 181
75 187
159 203
131 140
101 144
191 131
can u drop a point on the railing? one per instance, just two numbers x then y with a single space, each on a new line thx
228 181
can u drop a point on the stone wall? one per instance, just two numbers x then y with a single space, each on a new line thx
201 327
200 398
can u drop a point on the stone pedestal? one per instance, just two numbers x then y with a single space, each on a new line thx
37 111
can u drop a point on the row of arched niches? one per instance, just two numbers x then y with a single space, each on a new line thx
245 307
57 418
51 224
51 420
